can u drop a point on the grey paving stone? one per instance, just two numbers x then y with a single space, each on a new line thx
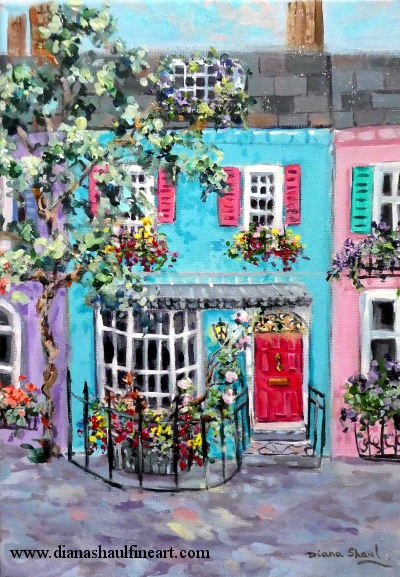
260 524
356 101
290 85
311 103
298 63
343 120
273 64
392 116
279 104
380 100
369 80
374 117
293 120
391 79
349 62
260 86
342 80
318 84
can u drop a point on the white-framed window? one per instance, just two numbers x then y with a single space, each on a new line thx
386 197
263 195
142 189
168 352
10 344
380 326
200 84
6 209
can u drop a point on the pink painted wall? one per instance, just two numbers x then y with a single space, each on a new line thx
354 147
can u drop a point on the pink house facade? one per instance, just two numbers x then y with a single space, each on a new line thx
365 324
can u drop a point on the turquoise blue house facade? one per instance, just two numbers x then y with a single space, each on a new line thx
205 287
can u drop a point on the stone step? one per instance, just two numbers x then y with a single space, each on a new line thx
291 453
300 462
296 434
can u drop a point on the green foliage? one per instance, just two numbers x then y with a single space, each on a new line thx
61 98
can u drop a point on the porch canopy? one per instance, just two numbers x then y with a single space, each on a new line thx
228 296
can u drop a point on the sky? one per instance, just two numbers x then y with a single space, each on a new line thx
350 25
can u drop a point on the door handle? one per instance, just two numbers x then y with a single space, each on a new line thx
279 366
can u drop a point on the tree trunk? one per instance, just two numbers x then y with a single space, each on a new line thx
50 351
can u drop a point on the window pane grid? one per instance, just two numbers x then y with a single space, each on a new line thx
156 359
262 198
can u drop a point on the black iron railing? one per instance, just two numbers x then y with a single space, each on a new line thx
380 442
133 462
316 425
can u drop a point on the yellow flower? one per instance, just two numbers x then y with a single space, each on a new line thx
109 248
275 231
153 430
92 438
99 434
297 237
106 229
146 221
157 419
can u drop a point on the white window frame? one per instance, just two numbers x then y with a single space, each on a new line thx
6 209
278 172
174 374
134 169
239 80
368 333
380 170
14 329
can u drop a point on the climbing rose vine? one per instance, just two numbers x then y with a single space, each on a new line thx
258 244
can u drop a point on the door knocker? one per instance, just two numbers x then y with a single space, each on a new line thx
279 366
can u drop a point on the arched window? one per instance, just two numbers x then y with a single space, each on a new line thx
10 344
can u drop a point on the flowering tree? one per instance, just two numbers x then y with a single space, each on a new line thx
48 151
377 255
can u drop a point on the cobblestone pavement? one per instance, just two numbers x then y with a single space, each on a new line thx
263 523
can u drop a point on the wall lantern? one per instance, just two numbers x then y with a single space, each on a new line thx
220 331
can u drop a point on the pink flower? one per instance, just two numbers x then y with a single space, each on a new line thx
228 397
231 377
242 317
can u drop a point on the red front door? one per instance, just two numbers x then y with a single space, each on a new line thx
278 377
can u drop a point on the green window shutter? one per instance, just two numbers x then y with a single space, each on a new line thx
361 199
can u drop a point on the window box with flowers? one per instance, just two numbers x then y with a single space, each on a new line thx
373 406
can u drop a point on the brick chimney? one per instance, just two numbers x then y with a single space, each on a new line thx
305 25
38 16
16 35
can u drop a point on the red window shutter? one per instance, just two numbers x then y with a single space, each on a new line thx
291 198
166 196
94 193
229 204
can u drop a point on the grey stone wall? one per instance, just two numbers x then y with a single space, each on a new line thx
365 90
292 89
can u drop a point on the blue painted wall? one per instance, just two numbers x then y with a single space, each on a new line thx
201 242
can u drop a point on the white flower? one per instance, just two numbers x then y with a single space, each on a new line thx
185 383
228 397
231 377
